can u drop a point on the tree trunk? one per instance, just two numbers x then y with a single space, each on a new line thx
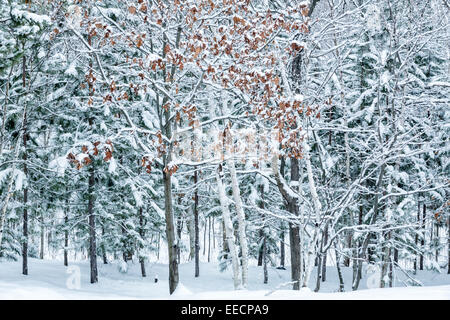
264 237
179 230
391 272
170 233
448 244
66 235
422 242
228 228
282 250
357 273
386 260
196 230
416 238
41 252
324 255
213 233
241 220
321 261
355 284
438 241
25 190
260 250
204 235
105 259
294 234
142 234
294 231
349 245
319 271
190 228
159 246
225 248
92 236
209 239
266 274
317 212
339 272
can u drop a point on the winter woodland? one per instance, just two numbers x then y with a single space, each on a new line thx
242 137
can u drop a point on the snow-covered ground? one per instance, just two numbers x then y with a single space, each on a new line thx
51 280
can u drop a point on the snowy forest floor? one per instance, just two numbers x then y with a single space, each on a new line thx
48 280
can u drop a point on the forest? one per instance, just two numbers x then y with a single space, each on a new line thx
233 135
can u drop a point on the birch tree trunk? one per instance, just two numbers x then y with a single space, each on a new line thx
312 248
355 284
241 220
229 234
190 227
338 267
385 261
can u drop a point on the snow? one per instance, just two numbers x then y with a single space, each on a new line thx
148 119
71 70
20 179
50 279
112 166
30 16
59 164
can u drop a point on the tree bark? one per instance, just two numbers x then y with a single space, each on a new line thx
142 234
224 242
92 236
228 228
190 228
25 190
385 261
317 212
266 274
105 258
282 250
41 251
294 232
264 236
324 256
416 238
66 236
241 220
339 272
196 230
448 244
438 243
170 233
179 229
260 250
422 242
209 238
